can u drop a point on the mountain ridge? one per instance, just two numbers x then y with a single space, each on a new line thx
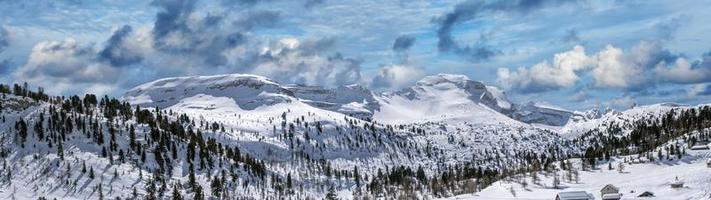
353 100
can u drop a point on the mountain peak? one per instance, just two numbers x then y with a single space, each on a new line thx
248 91
457 79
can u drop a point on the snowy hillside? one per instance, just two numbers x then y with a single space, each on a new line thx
442 97
445 98
633 175
352 100
449 108
623 120
443 117
245 136
248 91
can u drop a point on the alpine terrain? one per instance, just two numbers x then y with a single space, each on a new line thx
240 136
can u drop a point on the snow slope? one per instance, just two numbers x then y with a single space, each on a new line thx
623 119
458 117
352 100
655 176
248 91
445 98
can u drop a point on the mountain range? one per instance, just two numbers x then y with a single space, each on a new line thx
442 97
239 136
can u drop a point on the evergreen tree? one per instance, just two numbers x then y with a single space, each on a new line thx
176 193
91 172
331 195
216 186
197 193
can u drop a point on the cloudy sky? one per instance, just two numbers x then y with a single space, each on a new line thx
575 54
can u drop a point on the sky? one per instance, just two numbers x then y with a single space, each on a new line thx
577 54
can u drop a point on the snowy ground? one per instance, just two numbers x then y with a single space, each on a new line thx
636 178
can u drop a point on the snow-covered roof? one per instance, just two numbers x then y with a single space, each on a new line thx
610 186
574 195
646 194
611 196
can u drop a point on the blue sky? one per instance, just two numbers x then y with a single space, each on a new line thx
576 54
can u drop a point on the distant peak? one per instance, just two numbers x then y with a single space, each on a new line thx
441 78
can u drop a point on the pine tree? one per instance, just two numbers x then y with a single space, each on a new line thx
421 175
91 172
288 181
331 195
101 193
356 176
176 193
132 138
197 193
60 150
134 195
216 187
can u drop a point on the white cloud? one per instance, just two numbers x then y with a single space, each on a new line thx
682 72
622 102
698 90
63 66
643 66
562 73
293 61
611 70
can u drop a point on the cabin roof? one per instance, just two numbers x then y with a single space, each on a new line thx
574 195
610 186
612 196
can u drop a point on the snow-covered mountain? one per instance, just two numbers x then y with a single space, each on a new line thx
263 139
352 100
533 112
439 97
248 91
444 97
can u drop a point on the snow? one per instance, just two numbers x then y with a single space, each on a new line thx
442 98
249 91
576 128
655 177
460 118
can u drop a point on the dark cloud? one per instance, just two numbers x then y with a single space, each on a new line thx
258 19
242 2
303 62
115 51
667 29
4 66
250 3
706 90
403 43
207 41
173 16
315 47
312 3
4 39
473 9
571 36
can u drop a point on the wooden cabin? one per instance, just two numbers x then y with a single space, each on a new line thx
609 189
